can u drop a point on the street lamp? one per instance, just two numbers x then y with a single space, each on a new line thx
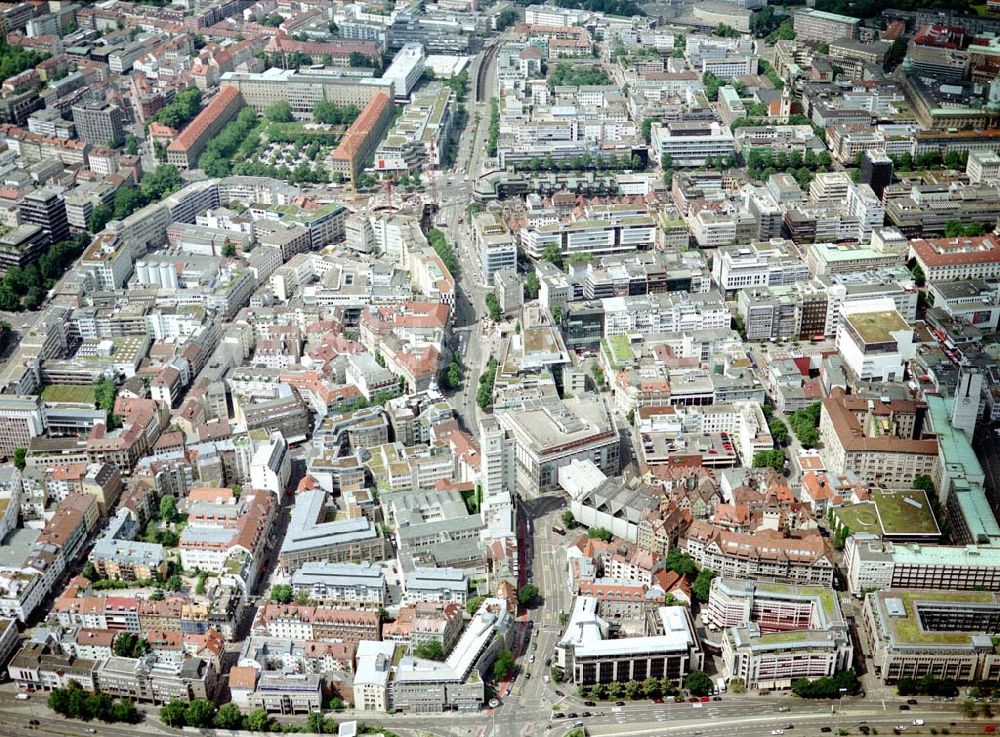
840 697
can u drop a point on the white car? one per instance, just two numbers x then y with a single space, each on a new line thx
777 731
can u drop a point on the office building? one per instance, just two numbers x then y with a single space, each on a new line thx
913 633
405 70
100 123
953 259
774 633
983 166
874 340
46 209
817 25
876 171
184 150
874 564
669 647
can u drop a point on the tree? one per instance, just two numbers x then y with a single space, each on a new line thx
827 687
527 595
737 686
925 483
531 285
599 533
229 717
703 584
506 19
651 688
553 254
493 305
769 458
124 710
429 650
279 112
614 690
503 666
174 583
199 713
99 217
472 605
302 598
173 713
969 709
568 520
698 683
680 562
257 720
229 250
633 690
919 278
20 458
281 593
168 509
557 674
130 645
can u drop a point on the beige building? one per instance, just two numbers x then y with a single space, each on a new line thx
879 441
944 634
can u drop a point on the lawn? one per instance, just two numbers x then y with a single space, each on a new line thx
905 512
859 518
68 393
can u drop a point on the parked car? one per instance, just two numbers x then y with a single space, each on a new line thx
912 702
705 699
777 731
825 730
904 707
589 703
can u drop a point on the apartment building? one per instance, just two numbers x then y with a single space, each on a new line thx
297 622
807 559
310 537
341 585
303 89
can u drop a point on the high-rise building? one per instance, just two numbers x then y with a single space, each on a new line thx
876 171
967 399
100 123
497 470
21 419
47 210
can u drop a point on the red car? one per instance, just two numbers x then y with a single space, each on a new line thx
657 700
693 700
705 699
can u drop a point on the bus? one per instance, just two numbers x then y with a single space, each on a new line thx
558 530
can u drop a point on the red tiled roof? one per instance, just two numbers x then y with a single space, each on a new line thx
197 127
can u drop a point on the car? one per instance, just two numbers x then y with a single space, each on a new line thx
716 698
918 722
619 703
585 714
657 699
572 715
789 726
90 730
22 697
527 675
531 659
577 724
825 730
693 700
558 715
34 722
901 727
548 662
546 678
777 731
783 708
589 703
904 707
912 702
560 693
705 699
